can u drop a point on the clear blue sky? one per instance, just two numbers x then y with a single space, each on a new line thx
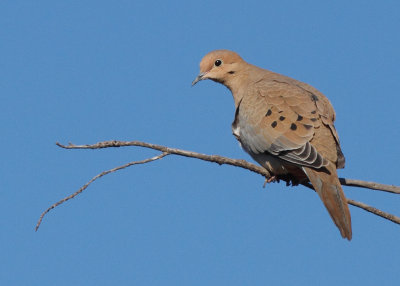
88 71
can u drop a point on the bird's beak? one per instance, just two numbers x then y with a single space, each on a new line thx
198 78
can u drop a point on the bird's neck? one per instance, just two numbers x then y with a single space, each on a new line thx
239 83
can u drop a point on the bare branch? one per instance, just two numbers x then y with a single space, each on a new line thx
221 161
370 185
210 158
94 179
375 211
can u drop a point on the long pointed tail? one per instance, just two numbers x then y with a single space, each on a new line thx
330 191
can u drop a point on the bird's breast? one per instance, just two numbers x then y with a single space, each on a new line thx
247 143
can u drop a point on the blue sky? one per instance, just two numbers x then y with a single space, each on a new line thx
88 71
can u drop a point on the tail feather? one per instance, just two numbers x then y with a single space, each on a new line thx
330 191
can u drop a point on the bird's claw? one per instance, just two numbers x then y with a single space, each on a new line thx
269 180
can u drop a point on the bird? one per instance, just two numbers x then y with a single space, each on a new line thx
286 126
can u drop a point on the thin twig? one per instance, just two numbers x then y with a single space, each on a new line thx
94 179
370 185
375 211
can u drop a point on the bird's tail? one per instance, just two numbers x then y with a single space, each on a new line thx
330 191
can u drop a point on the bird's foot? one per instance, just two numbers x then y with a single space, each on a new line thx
270 180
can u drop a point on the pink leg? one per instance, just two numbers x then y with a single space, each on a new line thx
269 180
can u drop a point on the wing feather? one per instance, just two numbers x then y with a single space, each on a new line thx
282 119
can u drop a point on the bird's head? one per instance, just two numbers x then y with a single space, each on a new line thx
220 66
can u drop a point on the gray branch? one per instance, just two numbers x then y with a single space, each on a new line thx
221 161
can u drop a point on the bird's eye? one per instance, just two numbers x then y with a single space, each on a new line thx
218 63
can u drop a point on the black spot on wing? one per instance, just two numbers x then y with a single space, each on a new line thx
293 126
314 97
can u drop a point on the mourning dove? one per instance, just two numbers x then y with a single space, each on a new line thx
286 126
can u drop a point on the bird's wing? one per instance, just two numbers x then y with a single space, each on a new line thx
288 121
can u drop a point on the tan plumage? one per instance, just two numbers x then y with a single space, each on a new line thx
286 126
